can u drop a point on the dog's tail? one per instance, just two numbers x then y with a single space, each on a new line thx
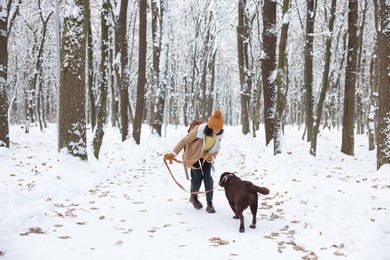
258 189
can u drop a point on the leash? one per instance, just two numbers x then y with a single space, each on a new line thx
178 184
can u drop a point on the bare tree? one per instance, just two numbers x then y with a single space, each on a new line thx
268 67
325 80
383 150
72 120
4 125
137 124
348 139
123 80
281 79
160 60
308 65
90 67
243 64
102 105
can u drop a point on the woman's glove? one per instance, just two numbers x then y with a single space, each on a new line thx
208 157
169 156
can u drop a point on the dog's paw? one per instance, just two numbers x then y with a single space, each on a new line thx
235 217
253 226
242 230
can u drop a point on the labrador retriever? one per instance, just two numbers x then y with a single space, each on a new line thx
240 195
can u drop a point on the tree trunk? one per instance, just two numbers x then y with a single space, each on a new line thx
325 80
137 125
102 105
90 70
160 61
268 67
308 66
4 125
383 150
242 48
123 81
72 123
348 140
374 79
281 81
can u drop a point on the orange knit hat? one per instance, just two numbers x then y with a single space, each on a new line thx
216 120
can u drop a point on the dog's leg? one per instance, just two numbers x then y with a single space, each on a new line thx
254 213
242 227
234 210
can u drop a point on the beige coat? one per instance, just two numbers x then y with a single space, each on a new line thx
194 142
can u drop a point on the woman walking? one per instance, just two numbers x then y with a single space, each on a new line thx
201 146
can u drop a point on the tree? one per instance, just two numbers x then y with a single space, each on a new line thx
72 121
308 65
4 125
102 105
243 64
137 125
37 77
383 149
160 60
123 80
90 67
325 80
268 67
281 79
347 145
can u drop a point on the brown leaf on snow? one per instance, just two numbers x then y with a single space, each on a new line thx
64 237
36 230
280 248
218 241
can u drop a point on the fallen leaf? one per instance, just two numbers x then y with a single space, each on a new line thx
64 237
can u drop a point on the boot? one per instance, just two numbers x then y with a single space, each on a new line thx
194 200
210 207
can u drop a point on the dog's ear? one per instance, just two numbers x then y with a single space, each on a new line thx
222 179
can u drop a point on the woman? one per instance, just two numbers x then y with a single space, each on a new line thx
201 145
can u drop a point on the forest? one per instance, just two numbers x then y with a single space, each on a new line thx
87 64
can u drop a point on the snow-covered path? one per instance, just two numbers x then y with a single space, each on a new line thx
126 206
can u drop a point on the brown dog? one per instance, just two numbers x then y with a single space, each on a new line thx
240 195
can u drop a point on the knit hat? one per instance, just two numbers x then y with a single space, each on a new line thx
216 120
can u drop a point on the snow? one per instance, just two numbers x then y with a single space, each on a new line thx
126 206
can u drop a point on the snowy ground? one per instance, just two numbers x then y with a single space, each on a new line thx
126 206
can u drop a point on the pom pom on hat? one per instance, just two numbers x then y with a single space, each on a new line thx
216 120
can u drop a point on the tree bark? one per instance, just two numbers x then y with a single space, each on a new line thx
137 124
325 80
383 149
245 79
72 121
90 70
348 140
123 81
268 67
4 125
102 105
281 80
308 65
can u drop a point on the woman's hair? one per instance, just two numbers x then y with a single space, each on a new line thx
209 131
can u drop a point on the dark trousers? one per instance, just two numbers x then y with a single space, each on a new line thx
203 174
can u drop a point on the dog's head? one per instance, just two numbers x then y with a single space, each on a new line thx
225 178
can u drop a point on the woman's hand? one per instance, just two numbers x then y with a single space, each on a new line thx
169 156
